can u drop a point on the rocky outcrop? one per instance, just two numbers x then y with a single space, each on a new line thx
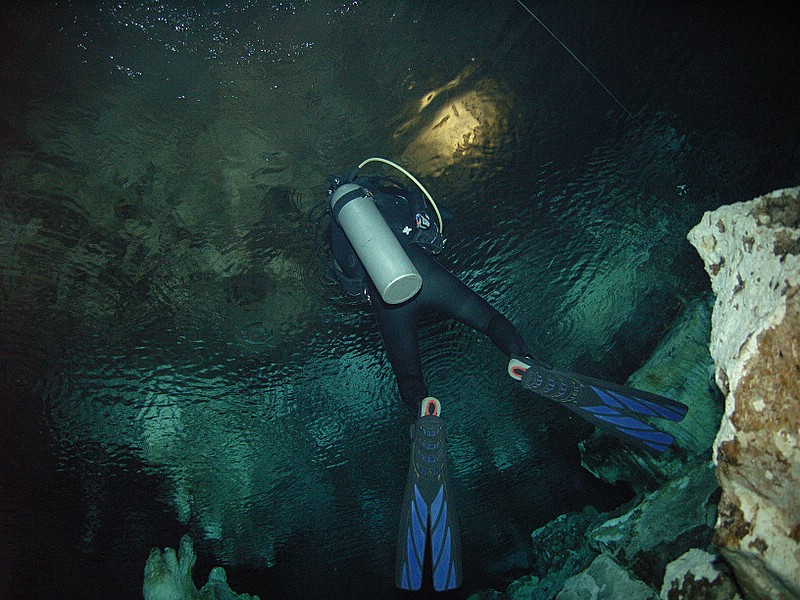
680 368
664 525
605 578
622 555
561 552
662 543
168 576
633 552
698 574
751 252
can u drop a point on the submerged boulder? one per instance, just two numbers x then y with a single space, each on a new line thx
680 368
624 554
664 525
698 574
751 252
561 552
605 578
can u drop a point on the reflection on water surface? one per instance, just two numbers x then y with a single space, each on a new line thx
172 357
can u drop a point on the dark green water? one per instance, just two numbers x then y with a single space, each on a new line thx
171 357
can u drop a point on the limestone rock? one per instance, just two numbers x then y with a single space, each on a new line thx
751 252
639 542
680 368
698 574
168 576
561 551
664 525
605 579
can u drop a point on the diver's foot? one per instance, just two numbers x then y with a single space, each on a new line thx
430 407
517 368
519 364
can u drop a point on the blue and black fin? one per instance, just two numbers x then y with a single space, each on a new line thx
615 408
429 517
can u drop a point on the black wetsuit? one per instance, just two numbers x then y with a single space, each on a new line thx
447 295
442 293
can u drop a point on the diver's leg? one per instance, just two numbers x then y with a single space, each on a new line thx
398 327
445 293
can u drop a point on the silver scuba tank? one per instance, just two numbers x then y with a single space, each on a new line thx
384 259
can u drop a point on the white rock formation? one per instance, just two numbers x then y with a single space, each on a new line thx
605 579
168 576
696 574
751 252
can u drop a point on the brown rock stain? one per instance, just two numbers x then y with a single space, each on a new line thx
732 527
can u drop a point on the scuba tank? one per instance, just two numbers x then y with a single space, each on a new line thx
394 275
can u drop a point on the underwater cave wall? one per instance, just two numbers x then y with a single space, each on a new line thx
751 252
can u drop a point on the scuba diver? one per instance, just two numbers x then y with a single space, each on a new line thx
384 238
